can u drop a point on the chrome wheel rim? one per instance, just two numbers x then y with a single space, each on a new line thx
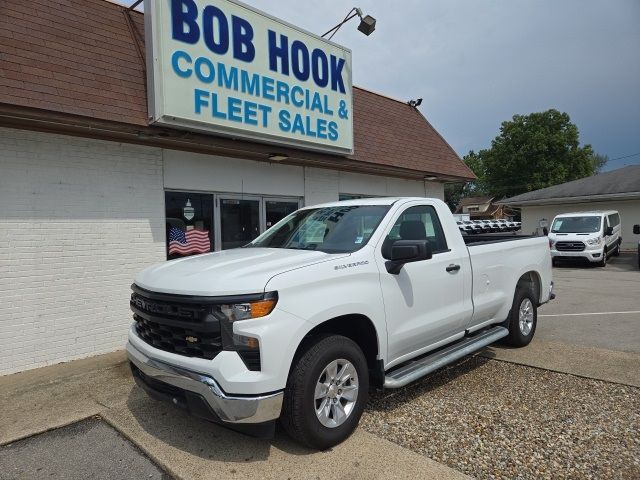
525 316
336 393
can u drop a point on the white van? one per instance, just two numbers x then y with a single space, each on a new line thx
594 236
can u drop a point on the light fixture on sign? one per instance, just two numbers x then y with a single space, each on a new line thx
430 177
277 157
367 23
415 103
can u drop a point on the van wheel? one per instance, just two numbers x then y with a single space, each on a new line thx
616 252
523 319
326 392
603 262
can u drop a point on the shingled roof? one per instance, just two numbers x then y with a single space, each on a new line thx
85 58
621 183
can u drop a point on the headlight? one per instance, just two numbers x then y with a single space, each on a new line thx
594 241
255 306
249 310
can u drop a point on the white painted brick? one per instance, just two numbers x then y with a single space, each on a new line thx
78 219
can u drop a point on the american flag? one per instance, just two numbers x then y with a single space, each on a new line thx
191 241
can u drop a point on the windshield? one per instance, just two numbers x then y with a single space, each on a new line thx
576 225
341 229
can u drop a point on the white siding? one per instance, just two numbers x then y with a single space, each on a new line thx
629 215
210 173
79 219
326 185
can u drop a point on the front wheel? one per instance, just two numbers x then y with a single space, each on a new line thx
326 392
523 319
603 261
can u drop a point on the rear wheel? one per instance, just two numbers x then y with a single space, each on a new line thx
616 252
523 318
326 392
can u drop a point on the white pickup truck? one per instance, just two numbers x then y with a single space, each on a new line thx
329 302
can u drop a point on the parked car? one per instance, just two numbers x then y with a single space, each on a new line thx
474 226
636 231
330 301
484 226
465 229
592 236
490 225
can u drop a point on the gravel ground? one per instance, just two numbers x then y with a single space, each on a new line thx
493 419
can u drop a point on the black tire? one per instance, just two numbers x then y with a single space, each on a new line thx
516 337
299 417
603 262
616 252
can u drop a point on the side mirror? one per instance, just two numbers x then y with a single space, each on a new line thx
608 232
406 251
636 229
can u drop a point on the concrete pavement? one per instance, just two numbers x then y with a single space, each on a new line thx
592 328
185 447
90 447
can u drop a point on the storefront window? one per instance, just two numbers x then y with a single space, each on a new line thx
189 218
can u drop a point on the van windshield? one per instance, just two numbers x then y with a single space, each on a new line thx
341 229
589 224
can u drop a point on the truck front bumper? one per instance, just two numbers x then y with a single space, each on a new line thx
200 394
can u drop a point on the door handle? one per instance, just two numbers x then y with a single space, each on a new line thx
453 268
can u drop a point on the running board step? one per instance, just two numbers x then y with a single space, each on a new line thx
415 369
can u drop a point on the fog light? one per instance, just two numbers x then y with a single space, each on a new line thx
246 342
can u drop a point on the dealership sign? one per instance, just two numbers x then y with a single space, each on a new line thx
221 66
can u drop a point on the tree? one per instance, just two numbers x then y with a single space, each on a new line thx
531 152
599 161
454 192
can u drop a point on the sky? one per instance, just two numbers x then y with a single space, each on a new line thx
476 63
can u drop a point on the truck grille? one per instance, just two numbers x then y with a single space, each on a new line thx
570 246
176 324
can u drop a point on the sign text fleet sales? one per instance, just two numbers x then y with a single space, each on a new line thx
221 66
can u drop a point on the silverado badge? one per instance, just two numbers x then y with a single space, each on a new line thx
191 339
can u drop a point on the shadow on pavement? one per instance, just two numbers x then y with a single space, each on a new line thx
204 439
626 262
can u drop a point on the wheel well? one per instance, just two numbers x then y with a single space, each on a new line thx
359 329
530 281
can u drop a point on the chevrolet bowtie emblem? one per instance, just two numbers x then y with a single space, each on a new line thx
191 339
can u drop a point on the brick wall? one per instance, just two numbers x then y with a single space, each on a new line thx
78 219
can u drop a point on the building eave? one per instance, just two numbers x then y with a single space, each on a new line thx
576 199
12 116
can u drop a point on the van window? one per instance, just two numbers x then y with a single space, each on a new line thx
589 224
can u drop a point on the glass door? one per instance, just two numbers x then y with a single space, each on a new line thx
239 221
276 209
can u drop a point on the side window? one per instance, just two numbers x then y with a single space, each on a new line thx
419 223
614 220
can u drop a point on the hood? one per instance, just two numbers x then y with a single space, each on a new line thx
230 272
570 237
